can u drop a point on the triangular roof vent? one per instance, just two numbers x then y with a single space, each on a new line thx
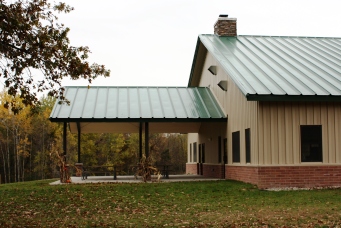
213 70
223 85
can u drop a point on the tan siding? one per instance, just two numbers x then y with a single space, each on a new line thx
210 138
242 114
191 138
274 134
324 122
317 113
337 133
275 126
288 134
261 135
296 133
254 133
281 135
267 134
303 114
310 113
331 133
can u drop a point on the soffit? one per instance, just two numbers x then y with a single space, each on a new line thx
133 127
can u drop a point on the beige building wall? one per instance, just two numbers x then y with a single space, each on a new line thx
191 139
275 126
279 131
208 135
241 113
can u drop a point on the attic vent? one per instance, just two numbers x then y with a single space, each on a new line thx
213 70
223 85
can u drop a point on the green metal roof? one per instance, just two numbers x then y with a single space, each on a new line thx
137 104
278 68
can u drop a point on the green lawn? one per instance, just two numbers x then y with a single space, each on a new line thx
186 204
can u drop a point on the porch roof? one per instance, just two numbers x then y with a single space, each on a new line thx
120 109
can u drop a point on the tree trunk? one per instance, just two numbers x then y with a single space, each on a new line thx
30 170
8 158
15 158
43 154
4 163
23 170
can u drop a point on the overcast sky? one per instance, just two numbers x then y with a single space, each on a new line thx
152 42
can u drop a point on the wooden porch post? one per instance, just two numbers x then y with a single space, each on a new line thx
64 140
79 142
140 141
79 165
146 137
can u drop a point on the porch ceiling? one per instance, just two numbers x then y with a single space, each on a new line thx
133 127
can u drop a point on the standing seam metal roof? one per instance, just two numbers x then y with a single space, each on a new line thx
119 104
266 65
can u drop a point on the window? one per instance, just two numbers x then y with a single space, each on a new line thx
200 161
247 146
225 150
190 152
236 146
219 149
203 153
195 152
311 143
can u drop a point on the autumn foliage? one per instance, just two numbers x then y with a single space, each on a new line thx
31 146
35 51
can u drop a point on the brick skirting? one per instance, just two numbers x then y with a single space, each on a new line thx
208 170
242 173
214 171
286 176
191 168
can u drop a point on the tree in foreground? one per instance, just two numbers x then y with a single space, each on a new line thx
31 39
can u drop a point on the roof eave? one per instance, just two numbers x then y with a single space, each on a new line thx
158 120
194 65
309 98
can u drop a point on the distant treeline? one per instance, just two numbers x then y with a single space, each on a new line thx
30 145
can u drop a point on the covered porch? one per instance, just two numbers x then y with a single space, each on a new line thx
141 110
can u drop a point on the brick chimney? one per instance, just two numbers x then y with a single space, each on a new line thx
225 26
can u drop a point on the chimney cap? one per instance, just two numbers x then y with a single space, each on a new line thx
223 15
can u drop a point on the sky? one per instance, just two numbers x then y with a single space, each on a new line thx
152 42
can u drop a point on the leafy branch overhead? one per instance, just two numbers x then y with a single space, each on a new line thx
31 38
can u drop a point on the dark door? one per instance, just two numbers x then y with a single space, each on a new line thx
200 170
225 157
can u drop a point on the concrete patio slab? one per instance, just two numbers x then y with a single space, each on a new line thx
132 179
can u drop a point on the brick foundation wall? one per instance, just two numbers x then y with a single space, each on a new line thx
214 171
299 176
191 168
208 170
286 176
242 173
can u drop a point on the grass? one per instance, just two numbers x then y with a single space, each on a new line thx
187 204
